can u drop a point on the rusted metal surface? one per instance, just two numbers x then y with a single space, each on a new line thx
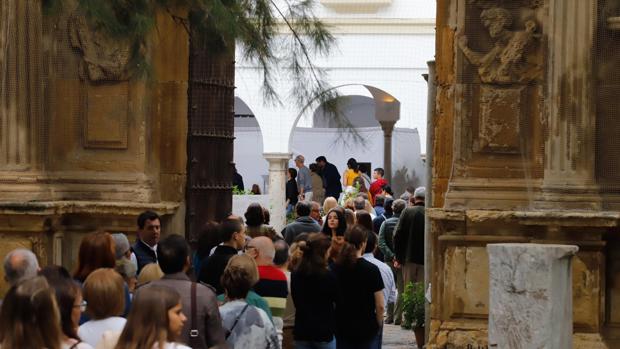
210 136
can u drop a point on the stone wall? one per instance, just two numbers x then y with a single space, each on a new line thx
524 152
85 143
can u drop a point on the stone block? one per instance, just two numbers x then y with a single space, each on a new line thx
530 296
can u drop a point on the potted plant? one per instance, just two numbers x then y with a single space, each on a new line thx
413 310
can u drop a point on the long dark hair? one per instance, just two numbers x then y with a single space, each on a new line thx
364 219
254 215
354 239
29 316
208 237
342 223
147 322
314 251
66 290
96 251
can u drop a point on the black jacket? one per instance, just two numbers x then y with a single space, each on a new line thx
331 178
213 267
144 254
409 235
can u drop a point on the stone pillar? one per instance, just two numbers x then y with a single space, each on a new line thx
570 144
428 250
278 164
388 128
531 301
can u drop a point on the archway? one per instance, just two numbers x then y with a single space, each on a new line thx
366 108
248 147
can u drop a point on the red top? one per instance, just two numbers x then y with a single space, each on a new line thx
375 188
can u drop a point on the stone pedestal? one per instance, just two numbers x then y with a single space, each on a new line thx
278 164
530 296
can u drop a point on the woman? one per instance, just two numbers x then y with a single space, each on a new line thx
335 226
70 305
255 189
350 173
155 320
246 325
349 216
364 219
318 190
254 220
360 300
314 292
292 193
104 294
97 250
208 237
328 204
30 317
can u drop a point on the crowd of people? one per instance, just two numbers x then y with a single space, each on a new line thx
330 279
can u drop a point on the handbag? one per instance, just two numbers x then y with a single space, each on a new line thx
194 335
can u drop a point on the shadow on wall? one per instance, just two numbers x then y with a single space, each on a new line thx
401 180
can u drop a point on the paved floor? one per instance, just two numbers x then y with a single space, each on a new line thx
394 337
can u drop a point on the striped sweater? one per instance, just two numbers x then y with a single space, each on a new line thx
273 287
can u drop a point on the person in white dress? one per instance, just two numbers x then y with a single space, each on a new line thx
104 293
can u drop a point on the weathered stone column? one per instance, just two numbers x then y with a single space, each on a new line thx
570 144
531 301
278 164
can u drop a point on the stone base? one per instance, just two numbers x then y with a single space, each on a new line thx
54 229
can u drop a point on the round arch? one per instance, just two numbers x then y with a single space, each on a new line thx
248 146
387 107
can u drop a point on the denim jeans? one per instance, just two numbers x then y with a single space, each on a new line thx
315 345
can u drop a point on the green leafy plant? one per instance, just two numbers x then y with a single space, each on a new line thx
237 191
413 305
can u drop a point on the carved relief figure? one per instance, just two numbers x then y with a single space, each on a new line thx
103 57
505 63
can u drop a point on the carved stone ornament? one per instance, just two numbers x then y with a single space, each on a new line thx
506 62
103 57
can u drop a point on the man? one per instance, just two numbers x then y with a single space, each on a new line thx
303 224
387 213
237 180
304 179
389 291
408 193
232 235
149 232
379 182
20 264
315 213
409 240
331 178
386 245
272 284
173 254
378 206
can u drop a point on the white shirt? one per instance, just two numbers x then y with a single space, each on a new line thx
69 342
91 331
389 291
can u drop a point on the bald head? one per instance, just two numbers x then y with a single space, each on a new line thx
20 264
264 248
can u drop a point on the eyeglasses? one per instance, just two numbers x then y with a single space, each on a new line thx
82 306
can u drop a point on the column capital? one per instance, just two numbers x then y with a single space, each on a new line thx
277 156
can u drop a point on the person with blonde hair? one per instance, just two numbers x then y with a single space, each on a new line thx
105 299
149 272
328 204
30 317
246 325
154 322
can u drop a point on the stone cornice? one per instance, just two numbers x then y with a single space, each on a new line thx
375 25
115 208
